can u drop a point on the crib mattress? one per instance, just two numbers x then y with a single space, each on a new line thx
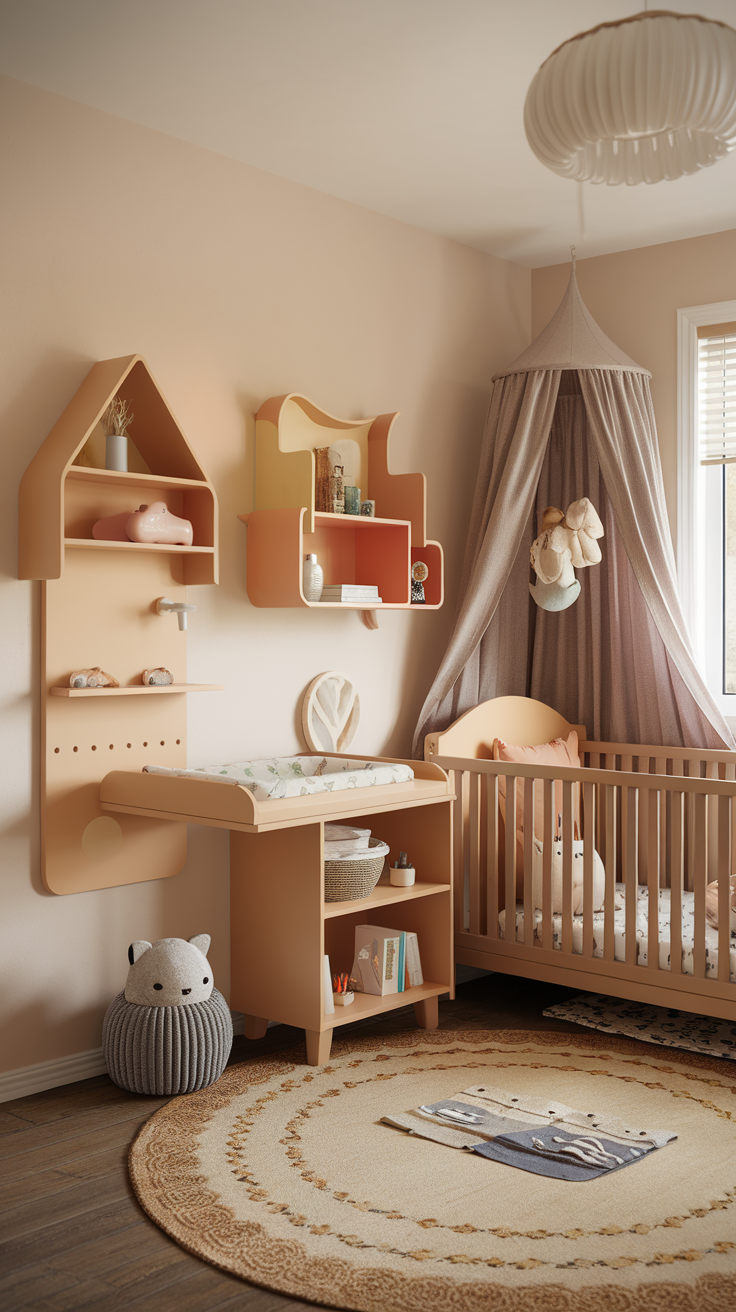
642 924
296 776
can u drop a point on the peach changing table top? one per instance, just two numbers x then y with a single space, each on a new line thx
204 802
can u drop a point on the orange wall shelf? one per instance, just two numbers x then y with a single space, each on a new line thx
285 526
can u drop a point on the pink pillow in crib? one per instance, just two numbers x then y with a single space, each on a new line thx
560 751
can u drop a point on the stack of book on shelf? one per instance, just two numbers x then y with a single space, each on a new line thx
386 960
366 593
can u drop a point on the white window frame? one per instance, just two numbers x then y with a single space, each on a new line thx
691 519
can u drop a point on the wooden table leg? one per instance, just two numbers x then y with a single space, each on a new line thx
427 1013
319 1043
254 1027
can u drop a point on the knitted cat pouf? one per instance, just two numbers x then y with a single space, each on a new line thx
170 1030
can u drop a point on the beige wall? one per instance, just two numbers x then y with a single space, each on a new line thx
635 296
236 286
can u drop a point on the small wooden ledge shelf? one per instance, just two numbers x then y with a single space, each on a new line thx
135 691
286 525
373 1004
383 894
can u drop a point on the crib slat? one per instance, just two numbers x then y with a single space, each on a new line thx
567 857
510 859
724 890
692 771
652 834
474 849
458 785
677 876
588 854
700 877
528 894
711 772
547 848
630 845
661 766
610 866
492 856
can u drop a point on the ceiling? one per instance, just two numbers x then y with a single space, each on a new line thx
412 108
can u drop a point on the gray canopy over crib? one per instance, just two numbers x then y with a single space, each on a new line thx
602 882
572 417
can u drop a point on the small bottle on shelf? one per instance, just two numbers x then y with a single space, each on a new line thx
312 578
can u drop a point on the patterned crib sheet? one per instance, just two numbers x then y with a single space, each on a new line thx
642 929
296 776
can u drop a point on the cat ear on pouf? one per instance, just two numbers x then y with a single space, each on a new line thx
137 949
201 941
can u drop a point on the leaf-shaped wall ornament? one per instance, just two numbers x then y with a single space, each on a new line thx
330 712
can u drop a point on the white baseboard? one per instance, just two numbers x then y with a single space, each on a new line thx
51 1074
64 1070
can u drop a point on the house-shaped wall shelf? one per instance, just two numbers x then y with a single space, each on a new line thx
60 500
285 524
99 608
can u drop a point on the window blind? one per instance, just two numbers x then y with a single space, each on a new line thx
717 397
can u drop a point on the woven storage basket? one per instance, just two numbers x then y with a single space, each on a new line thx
355 877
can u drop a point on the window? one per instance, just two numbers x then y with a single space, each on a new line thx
707 491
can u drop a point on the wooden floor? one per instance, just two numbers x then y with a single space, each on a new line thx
73 1236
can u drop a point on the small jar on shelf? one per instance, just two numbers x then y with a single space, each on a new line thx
312 578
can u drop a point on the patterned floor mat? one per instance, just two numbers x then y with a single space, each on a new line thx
673 1029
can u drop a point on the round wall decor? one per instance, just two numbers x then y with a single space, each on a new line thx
330 712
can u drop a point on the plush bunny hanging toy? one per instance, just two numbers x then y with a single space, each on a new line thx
169 1031
567 542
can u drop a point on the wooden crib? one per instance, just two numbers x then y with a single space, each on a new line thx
662 820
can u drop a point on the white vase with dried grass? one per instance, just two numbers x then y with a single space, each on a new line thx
115 422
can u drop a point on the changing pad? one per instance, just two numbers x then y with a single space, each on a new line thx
296 776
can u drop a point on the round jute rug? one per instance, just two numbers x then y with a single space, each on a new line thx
283 1174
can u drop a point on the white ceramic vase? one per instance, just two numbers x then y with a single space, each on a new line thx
116 452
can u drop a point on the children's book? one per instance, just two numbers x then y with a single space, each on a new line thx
376 964
402 962
413 961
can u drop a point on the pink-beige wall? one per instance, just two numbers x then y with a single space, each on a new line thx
236 286
635 296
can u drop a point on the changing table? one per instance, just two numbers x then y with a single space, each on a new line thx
280 925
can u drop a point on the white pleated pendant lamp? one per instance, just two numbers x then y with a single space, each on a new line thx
649 98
